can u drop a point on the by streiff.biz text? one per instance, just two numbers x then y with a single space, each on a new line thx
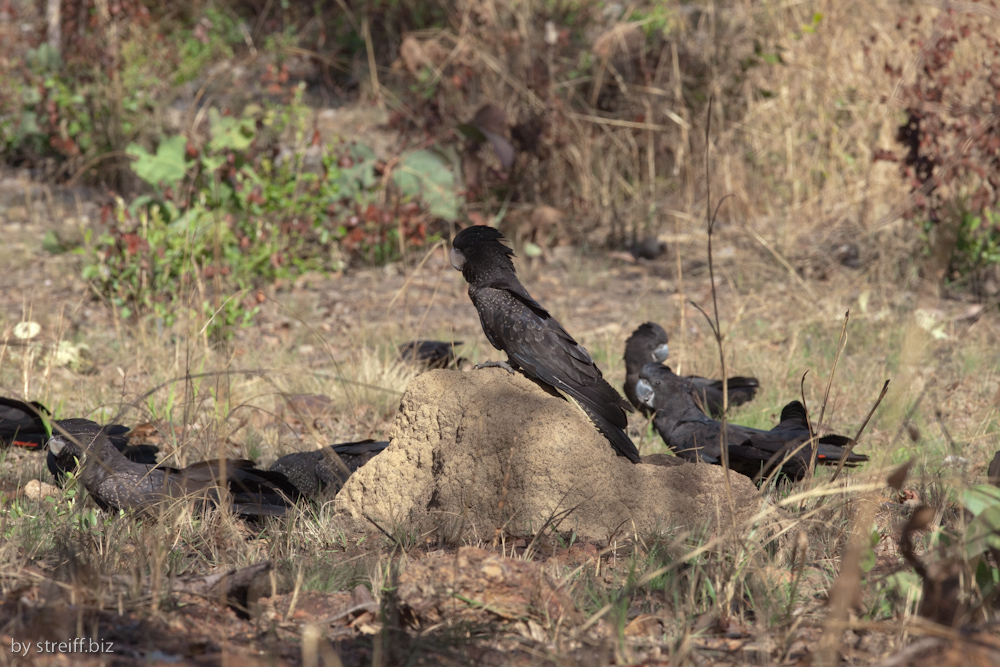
77 645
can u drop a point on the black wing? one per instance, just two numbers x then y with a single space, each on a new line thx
22 424
741 390
432 353
538 344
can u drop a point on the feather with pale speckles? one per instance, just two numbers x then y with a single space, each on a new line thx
534 341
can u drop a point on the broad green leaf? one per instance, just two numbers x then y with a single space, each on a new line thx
979 498
905 583
983 532
423 174
229 133
140 203
359 177
29 123
212 163
362 152
52 244
168 166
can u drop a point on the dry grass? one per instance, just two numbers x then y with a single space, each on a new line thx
794 143
675 578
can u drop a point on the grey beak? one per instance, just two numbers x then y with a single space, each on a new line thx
661 353
457 258
56 445
644 391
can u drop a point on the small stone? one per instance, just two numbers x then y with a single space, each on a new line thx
37 490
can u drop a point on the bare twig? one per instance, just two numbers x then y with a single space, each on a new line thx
840 349
944 431
715 326
912 411
372 68
813 442
850 446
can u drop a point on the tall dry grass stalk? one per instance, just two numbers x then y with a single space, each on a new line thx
801 153
794 140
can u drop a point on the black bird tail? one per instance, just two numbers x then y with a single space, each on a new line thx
742 389
360 447
831 448
356 454
145 454
622 444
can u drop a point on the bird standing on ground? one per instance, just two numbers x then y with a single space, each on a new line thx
116 434
534 341
648 343
116 483
694 436
24 425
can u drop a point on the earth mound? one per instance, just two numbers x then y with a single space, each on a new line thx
475 452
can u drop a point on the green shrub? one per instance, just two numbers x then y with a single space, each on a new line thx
977 250
262 198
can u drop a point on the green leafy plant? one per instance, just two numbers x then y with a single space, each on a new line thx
424 174
167 167
983 535
260 198
976 258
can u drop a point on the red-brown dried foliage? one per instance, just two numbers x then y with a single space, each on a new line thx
952 131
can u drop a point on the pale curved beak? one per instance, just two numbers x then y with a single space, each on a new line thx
56 445
457 258
661 353
644 391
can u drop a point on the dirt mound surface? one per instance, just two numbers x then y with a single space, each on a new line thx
474 452
476 585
